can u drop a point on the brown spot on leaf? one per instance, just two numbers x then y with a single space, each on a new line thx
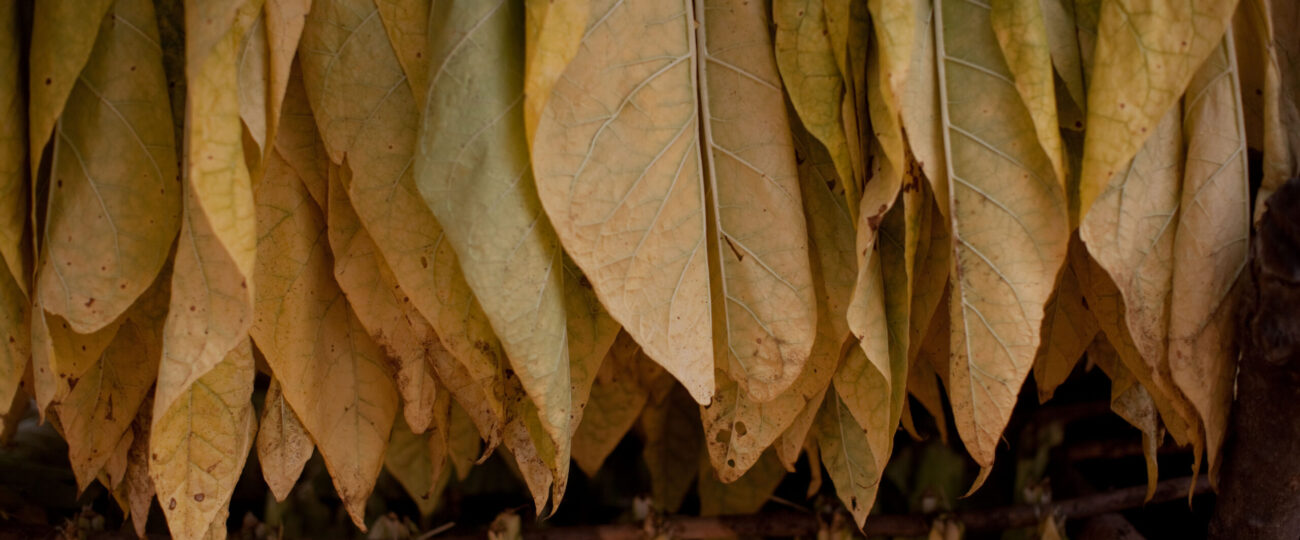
198 497
172 505
739 257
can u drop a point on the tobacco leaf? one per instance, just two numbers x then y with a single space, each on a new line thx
198 446
1145 55
744 495
63 36
1210 245
331 373
671 229
1009 224
672 442
113 206
283 446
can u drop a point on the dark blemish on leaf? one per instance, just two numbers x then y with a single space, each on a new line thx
739 257
172 505
1084 300
424 262
198 497
90 302
741 430
853 503
48 81
108 414
731 463
192 308
59 183
722 436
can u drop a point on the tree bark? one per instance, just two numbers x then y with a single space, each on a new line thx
1260 497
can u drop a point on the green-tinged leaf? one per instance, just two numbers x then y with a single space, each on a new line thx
848 457
352 78
617 397
212 289
387 312
198 446
1131 401
463 442
332 374
931 362
848 26
114 201
1021 29
1210 245
102 405
744 495
672 441
283 446
871 379
409 460
648 200
407 24
1068 328
553 32
63 36
472 162
1009 224
1146 53
812 78
14 196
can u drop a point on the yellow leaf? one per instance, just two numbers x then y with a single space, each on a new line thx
672 441
1068 328
848 457
14 196
1021 30
283 446
848 26
712 165
198 446
931 361
744 495
284 22
1107 303
254 58
15 339
553 31
299 143
386 312
63 35
812 78
617 397
114 203
1210 245
103 403
1131 401
212 289
60 356
1146 53
1009 226
331 372
407 24
922 119
136 488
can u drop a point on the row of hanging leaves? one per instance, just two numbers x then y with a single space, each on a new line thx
748 230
